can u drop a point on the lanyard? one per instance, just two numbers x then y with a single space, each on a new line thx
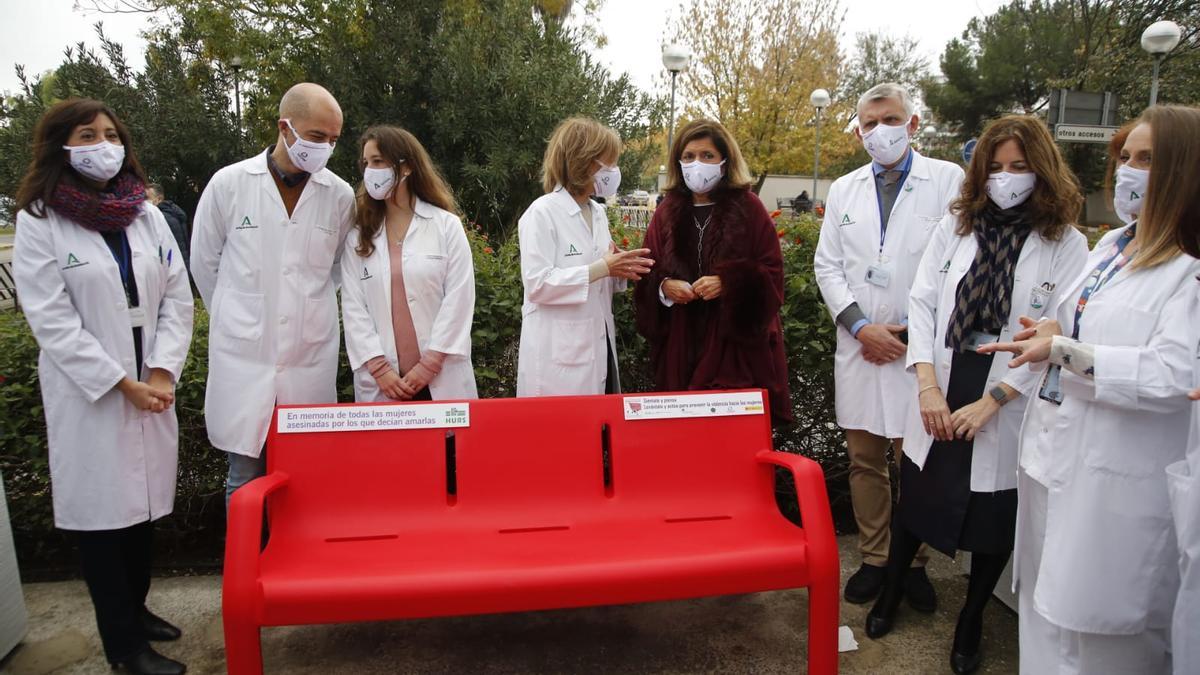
124 264
1116 259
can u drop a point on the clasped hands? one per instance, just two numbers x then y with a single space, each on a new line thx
681 292
156 394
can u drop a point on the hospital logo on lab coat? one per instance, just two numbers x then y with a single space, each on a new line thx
845 220
246 224
573 251
73 262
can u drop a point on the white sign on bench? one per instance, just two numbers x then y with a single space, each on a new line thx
694 405
373 417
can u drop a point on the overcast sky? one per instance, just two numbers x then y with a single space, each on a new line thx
35 32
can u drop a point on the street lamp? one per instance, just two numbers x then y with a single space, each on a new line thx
929 134
1158 40
236 64
820 100
675 58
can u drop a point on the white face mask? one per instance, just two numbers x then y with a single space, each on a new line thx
1010 189
100 162
885 144
701 177
306 155
1128 192
606 181
379 182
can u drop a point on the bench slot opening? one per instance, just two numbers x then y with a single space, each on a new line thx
366 537
451 468
525 530
698 519
606 458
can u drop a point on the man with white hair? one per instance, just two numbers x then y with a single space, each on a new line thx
878 220
266 245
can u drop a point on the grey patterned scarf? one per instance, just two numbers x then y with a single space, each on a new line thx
984 297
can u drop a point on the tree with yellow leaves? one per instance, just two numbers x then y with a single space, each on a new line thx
753 68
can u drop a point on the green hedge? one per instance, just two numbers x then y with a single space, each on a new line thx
191 538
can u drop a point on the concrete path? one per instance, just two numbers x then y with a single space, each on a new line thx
761 633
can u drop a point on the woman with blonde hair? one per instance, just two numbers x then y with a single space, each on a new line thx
1097 558
1002 255
571 269
408 281
710 308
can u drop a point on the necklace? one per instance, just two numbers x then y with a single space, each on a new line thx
700 241
397 235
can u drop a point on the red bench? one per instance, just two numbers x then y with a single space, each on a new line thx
538 504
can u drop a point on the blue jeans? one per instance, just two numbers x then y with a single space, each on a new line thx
242 470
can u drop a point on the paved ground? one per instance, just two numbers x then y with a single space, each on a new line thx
762 633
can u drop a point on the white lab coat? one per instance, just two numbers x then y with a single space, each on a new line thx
875 398
564 318
439 278
1109 564
269 284
1185 506
111 465
1043 271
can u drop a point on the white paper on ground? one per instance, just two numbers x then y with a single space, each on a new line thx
846 641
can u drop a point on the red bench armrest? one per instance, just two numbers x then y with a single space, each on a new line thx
243 539
815 515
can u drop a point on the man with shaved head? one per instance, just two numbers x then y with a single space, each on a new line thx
266 245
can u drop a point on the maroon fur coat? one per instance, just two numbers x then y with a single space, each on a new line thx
736 340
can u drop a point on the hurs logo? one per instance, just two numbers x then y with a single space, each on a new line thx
246 224
366 274
845 220
573 251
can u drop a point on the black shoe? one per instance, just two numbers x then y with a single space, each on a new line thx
965 654
864 585
919 591
882 616
150 662
156 629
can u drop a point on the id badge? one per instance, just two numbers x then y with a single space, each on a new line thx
137 317
1051 389
976 339
878 276
1038 297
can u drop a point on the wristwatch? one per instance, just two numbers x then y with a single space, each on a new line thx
999 394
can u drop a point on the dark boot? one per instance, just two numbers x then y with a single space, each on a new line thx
150 662
900 555
157 629
965 654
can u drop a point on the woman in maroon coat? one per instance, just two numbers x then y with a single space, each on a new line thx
710 306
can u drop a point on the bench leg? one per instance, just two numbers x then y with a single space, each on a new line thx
243 649
823 608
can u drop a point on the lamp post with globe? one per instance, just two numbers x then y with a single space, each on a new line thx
675 59
1158 40
820 100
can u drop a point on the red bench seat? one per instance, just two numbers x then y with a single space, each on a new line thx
538 504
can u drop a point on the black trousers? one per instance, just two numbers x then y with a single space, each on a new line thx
116 567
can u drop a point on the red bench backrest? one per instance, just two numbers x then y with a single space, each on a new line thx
522 464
